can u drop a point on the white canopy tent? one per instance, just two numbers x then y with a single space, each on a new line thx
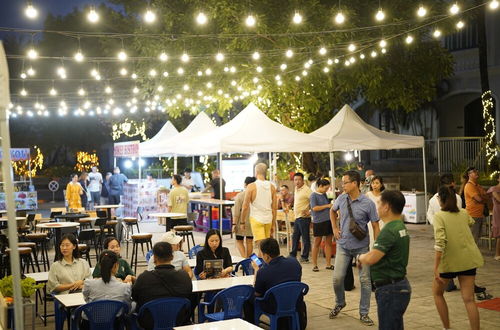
251 131
347 131
151 147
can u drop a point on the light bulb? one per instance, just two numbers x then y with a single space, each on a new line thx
209 85
373 53
23 92
180 71
326 69
289 53
219 57
32 54
201 19
382 43
185 58
297 18
232 69
163 57
81 92
494 4
160 88
165 74
351 47
250 21
185 87
53 91
380 15
259 69
31 12
133 76
135 90
61 71
79 57
322 51
283 67
460 24
436 33
122 56
108 90
123 71
421 12
152 72
149 16
409 39
339 18
23 75
31 72
208 71
362 56
93 16
454 9
329 61
256 56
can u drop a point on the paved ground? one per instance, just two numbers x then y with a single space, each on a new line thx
421 313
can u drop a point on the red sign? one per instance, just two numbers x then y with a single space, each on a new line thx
126 149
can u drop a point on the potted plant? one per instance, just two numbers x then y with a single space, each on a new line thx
28 287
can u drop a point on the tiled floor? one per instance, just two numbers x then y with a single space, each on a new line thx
421 313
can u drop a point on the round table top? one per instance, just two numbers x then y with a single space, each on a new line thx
17 219
73 216
167 215
114 206
58 225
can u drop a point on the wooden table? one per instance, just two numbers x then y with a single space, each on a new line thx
211 202
167 216
234 324
57 227
221 283
234 259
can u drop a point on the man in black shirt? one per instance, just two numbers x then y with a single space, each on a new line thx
162 282
215 184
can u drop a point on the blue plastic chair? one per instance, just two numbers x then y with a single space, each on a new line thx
232 303
286 296
149 255
101 314
194 251
164 311
246 266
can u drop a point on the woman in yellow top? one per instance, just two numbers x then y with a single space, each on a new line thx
457 255
73 192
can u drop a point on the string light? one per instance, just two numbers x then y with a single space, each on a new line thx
31 12
289 53
382 43
123 71
61 72
421 12
133 76
297 18
23 92
283 67
250 21
32 54
373 54
31 72
135 90
149 16
153 73
460 25
201 19
81 92
185 58
380 15
53 92
454 9
409 39
489 125
23 75
219 57
163 57
436 33
108 90
122 56
79 57
93 16
493 4
351 47
322 51
180 71
339 18
256 56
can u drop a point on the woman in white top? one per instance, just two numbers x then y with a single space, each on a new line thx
69 271
376 188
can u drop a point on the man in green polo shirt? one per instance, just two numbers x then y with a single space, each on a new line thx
388 261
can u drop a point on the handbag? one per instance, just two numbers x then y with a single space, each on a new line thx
354 228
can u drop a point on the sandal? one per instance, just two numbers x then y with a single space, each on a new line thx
329 267
315 269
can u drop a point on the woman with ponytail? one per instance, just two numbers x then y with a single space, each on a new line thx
107 287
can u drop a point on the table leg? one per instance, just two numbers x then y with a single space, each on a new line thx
210 216
57 240
167 224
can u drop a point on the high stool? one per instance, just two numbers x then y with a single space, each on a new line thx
185 232
85 251
129 225
89 237
42 248
85 223
110 228
144 238
32 246
26 260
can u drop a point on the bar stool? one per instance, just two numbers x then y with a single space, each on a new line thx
144 238
85 251
110 227
41 241
85 223
129 225
185 231
32 246
26 260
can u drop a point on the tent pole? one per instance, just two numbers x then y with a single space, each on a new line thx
175 164
114 162
11 219
425 180
332 169
192 163
219 156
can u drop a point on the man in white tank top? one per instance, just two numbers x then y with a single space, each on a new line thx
261 202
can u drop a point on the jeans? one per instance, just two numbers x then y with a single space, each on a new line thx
96 197
392 301
301 228
342 261
476 228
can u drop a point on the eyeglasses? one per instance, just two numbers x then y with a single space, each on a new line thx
346 182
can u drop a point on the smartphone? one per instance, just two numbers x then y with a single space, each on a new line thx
256 259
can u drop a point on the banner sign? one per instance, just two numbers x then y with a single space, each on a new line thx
126 149
17 154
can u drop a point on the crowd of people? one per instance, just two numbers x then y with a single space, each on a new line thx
365 227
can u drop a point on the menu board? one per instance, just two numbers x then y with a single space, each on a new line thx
24 200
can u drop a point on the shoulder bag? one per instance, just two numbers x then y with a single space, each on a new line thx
354 228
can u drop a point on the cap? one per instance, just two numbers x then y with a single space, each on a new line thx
171 237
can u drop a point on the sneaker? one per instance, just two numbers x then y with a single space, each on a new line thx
451 287
479 289
365 319
336 310
329 267
483 296
304 261
315 269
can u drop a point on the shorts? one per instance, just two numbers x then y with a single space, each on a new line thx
469 272
260 230
240 238
321 229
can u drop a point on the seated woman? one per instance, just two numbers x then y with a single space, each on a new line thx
124 272
213 250
107 287
180 261
69 271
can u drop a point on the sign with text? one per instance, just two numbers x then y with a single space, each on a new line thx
17 154
126 149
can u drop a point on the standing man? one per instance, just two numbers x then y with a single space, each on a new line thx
105 189
178 199
388 261
187 180
352 204
369 175
302 212
95 185
475 200
116 186
260 201
215 184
